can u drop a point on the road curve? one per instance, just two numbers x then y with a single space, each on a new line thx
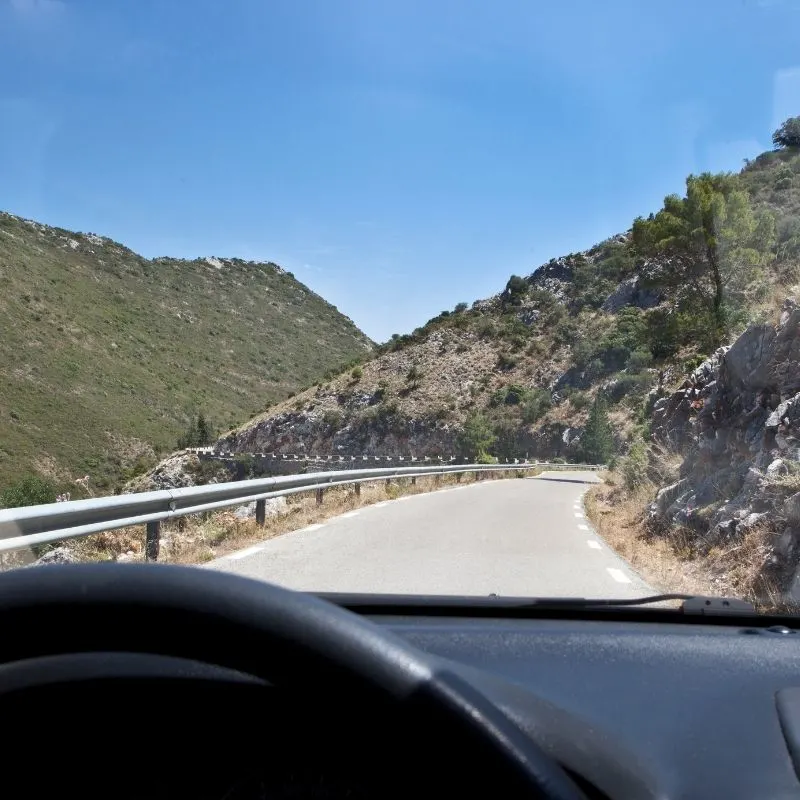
524 537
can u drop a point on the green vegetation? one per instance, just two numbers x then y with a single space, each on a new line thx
634 466
478 438
515 291
105 353
199 433
711 244
597 441
414 376
29 491
788 135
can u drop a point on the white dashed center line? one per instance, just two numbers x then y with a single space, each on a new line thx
593 544
249 551
618 575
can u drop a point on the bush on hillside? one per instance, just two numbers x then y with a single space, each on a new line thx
634 466
505 362
639 360
579 400
536 405
30 491
515 291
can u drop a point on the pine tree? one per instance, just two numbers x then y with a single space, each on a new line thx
597 441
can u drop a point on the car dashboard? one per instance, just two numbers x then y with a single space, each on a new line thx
634 703
638 708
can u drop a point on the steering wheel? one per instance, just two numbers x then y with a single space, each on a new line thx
284 637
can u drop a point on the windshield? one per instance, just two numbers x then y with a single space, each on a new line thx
446 298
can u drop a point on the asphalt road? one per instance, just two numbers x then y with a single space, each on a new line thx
524 537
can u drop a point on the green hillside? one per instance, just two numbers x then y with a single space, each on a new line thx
106 355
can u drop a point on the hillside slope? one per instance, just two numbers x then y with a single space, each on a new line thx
624 321
105 355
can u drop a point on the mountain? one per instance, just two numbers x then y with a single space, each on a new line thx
619 325
106 355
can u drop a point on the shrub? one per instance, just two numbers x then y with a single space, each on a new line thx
634 466
566 331
414 375
639 360
333 420
505 362
515 291
460 307
579 400
515 394
536 405
30 491
630 385
380 392
486 329
357 374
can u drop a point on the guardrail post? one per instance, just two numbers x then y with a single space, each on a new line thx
413 480
458 477
357 487
153 540
319 496
261 512
388 482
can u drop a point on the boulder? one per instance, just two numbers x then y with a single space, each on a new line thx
58 555
630 293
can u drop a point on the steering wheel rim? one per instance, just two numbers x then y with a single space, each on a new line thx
256 628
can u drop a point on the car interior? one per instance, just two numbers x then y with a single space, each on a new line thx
141 681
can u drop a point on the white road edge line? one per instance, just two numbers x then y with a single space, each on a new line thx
595 545
618 575
348 515
579 515
248 551
379 505
315 527
583 527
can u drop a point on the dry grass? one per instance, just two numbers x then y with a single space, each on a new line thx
203 537
676 560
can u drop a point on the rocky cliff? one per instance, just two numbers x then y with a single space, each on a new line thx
737 420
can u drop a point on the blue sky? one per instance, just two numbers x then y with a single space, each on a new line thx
399 156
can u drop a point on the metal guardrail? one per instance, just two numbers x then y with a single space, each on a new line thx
28 526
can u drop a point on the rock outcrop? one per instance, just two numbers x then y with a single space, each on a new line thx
737 419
